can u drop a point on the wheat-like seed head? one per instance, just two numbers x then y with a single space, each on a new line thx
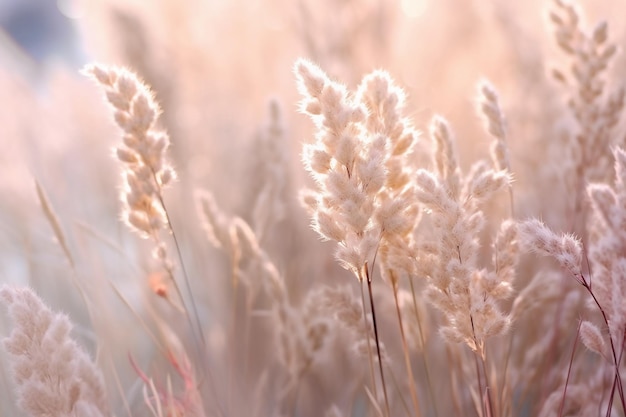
444 156
361 164
596 105
212 219
465 293
143 151
592 338
346 311
489 106
607 245
565 249
53 375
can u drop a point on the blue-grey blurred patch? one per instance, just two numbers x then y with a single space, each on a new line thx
41 30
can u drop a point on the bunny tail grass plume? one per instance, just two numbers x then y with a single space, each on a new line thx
596 102
565 248
53 375
363 200
143 152
467 294
359 160
593 339
489 106
495 123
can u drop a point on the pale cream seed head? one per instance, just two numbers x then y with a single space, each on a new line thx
592 338
311 79
327 225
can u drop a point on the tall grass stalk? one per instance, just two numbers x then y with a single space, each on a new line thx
405 348
368 279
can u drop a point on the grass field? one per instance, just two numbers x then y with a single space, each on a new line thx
317 208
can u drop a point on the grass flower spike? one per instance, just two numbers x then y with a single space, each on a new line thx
364 198
144 146
53 374
466 293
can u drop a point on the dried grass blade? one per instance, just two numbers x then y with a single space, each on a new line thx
373 401
54 222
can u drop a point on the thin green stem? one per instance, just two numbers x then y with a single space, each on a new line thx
184 271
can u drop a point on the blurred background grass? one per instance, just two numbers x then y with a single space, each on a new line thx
215 65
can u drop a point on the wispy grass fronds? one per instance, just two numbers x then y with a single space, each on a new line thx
235 236
53 375
164 401
602 284
364 199
489 106
495 123
447 315
271 173
565 248
607 250
596 103
54 222
143 152
466 293
347 165
340 304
